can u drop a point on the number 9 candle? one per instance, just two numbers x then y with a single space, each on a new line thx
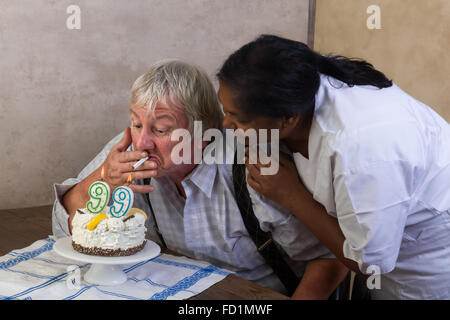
123 200
99 192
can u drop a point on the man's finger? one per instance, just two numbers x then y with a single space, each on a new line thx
131 156
138 188
147 165
127 167
125 142
139 175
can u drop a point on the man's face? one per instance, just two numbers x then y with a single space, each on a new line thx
152 132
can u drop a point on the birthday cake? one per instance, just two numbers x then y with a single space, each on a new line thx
102 234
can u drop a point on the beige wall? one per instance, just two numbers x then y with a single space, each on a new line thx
64 93
412 47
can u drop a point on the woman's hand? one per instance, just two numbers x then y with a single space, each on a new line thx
119 170
286 189
282 187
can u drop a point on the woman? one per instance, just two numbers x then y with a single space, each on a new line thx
371 170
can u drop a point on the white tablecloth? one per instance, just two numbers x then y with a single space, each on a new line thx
37 272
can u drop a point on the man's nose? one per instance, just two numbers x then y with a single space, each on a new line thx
145 141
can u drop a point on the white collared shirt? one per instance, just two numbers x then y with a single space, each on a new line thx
379 161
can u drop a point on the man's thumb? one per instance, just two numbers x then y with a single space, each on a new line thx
126 140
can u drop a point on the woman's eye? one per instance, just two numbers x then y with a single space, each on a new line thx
242 121
236 118
137 126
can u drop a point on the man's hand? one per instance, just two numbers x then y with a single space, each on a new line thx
118 166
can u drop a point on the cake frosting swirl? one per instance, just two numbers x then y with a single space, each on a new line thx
110 236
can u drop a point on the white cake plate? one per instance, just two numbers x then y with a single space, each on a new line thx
105 270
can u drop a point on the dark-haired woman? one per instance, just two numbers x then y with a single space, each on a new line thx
371 170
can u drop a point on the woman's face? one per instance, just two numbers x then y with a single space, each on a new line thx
236 118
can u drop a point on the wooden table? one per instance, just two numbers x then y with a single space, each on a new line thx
22 227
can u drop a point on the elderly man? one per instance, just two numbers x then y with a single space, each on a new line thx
192 207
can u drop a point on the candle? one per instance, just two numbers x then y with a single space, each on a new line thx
99 192
123 198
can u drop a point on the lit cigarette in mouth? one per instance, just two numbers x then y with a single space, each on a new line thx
139 163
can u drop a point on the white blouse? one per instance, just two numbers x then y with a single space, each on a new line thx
379 161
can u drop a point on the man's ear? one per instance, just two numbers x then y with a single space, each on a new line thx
288 124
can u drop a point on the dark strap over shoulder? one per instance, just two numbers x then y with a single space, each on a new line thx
161 238
263 240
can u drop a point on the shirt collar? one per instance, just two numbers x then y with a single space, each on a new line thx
203 176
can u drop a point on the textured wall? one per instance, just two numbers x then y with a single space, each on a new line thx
412 47
64 93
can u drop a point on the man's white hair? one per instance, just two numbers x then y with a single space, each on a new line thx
183 85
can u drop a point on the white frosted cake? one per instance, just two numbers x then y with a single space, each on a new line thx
102 234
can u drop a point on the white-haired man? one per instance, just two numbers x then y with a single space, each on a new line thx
193 206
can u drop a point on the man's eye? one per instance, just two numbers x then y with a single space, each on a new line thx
160 131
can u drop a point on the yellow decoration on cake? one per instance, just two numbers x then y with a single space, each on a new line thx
94 222
136 210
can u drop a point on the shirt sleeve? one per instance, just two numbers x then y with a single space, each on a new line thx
287 231
372 207
60 223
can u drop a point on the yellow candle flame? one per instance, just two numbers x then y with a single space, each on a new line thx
130 179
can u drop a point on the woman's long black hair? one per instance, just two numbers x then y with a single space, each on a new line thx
279 77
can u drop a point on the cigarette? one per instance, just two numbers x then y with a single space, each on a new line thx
139 163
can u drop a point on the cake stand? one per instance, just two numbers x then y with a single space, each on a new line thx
105 270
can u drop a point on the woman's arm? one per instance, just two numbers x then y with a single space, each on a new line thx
292 194
321 278
371 204
326 228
